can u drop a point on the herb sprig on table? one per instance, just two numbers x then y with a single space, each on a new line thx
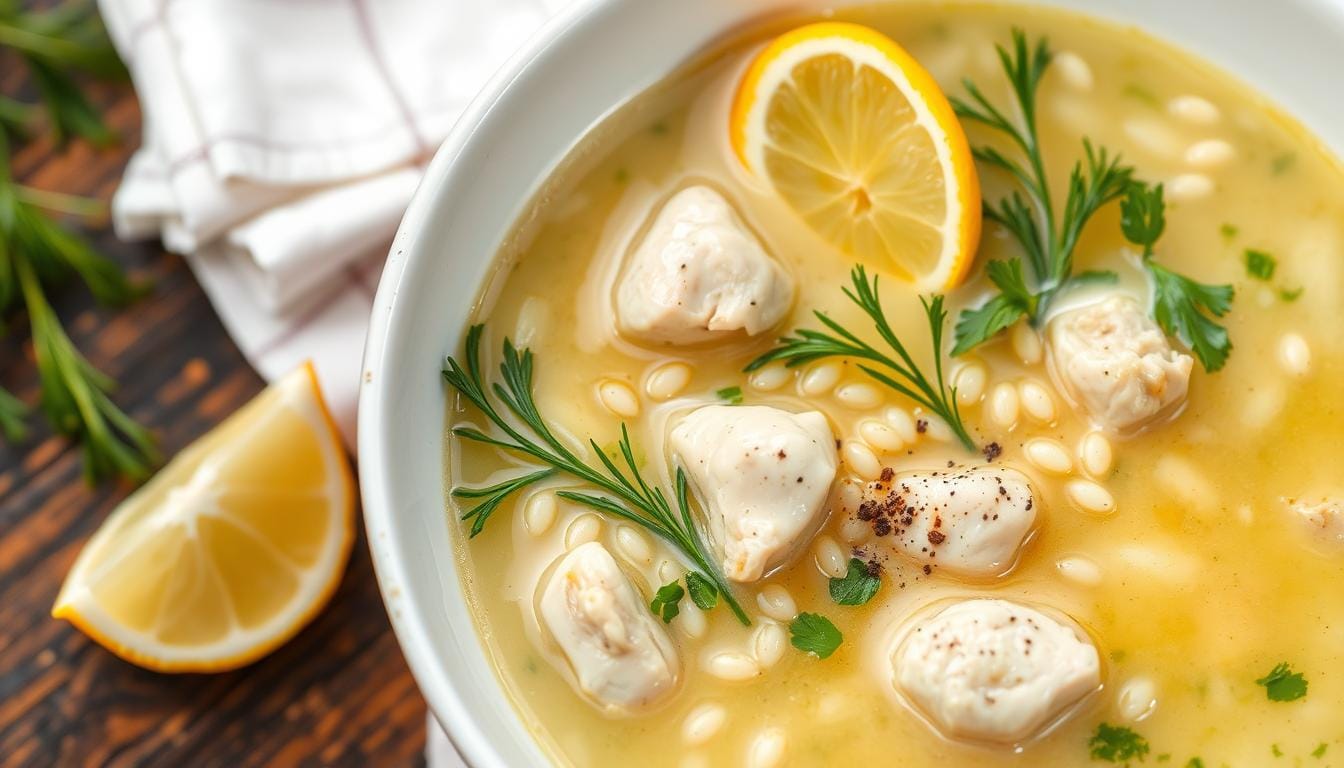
1049 235
37 254
625 493
899 373
54 45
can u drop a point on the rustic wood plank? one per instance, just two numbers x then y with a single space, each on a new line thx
338 694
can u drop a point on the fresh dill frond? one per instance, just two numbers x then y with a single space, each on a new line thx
55 44
904 376
37 253
1048 236
624 493
75 395
12 414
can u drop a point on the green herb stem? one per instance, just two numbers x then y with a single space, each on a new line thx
628 496
75 394
37 253
1048 240
901 374
1181 305
12 414
59 202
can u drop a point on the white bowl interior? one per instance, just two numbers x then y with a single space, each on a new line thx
593 57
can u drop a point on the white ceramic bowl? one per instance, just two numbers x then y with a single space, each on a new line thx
580 66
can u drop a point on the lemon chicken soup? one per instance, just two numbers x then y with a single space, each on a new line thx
955 383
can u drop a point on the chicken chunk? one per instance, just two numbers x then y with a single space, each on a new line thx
700 274
763 475
621 658
969 522
1323 517
993 670
1115 363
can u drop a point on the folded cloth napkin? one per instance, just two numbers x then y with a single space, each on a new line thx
282 142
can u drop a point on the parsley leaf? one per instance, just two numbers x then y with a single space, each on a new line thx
1195 762
1180 305
703 592
731 394
1228 231
1014 301
666 601
1319 751
1143 215
1283 684
857 586
815 634
1259 265
1116 744
1177 305
1290 295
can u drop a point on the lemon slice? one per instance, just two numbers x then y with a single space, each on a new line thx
857 138
231 549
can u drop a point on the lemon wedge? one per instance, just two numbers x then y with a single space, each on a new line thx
858 139
231 549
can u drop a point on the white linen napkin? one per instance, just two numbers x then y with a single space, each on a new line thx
282 142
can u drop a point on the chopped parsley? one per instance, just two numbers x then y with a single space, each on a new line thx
1283 684
1275 751
1281 163
703 592
1195 762
1117 744
732 395
857 586
815 634
1228 231
1290 294
1260 265
1319 751
666 601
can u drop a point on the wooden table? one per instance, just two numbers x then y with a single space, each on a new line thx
338 694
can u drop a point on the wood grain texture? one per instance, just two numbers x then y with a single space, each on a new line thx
338 694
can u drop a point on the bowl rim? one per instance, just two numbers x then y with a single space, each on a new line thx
448 706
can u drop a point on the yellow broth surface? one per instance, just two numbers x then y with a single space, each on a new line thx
1207 581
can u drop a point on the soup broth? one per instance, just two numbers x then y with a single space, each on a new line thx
1195 586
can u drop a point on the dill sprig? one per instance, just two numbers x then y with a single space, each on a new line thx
1048 237
624 492
54 44
75 394
905 375
36 253
1180 304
